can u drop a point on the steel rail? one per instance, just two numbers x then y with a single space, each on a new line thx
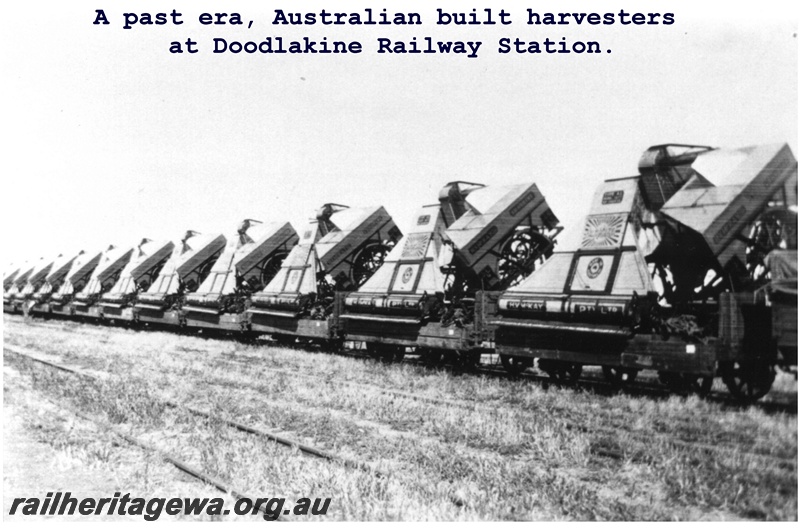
638 434
596 385
304 448
464 405
177 463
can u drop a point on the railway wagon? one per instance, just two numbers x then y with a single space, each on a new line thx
337 252
423 296
669 271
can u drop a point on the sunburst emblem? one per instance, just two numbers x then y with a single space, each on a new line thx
416 245
603 231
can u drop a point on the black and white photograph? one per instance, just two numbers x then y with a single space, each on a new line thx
399 261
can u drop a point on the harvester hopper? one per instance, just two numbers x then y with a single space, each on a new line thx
103 278
55 278
22 276
10 275
185 270
37 277
80 272
251 259
147 261
336 252
12 295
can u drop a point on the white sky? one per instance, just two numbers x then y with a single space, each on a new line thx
109 138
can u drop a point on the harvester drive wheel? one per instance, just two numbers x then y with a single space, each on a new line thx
519 255
748 380
369 260
271 268
619 376
515 364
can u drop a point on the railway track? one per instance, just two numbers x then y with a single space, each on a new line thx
182 466
638 388
187 469
614 430
279 439
611 430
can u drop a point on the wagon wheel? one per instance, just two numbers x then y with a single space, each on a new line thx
564 371
333 345
386 353
619 376
284 340
520 254
748 380
373 349
515 364
469 360
367 263
431 356
570 372
773 230
685 383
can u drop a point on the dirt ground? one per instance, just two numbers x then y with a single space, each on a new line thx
32 468
34 464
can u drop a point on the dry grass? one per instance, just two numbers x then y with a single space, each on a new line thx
527 452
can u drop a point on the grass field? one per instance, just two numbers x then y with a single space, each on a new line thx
490 449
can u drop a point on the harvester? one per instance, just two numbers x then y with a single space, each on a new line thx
105 275
667 273
9 276
475 238
35 281
8 281
52 283
12 301
336 253
185 270
251 259
138 275
80 272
